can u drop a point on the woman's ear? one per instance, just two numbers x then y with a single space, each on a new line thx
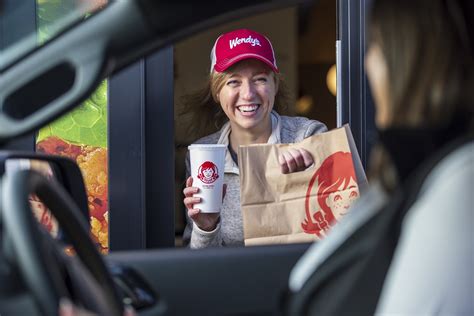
277 82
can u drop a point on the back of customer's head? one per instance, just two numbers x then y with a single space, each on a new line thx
427 49
428 46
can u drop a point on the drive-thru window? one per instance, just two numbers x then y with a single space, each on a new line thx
128 138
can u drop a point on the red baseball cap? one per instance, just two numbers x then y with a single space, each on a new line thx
241 44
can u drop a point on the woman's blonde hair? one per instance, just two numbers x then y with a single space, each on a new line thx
202 111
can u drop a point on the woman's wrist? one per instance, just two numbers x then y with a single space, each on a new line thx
209 226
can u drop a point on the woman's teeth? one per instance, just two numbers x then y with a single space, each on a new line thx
248 108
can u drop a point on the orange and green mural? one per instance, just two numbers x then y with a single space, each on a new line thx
80 134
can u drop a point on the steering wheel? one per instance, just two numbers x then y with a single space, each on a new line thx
33 250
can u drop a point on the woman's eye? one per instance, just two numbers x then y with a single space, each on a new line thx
353 194
337 198
261 79
232 83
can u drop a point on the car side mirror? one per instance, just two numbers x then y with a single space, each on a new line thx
62 170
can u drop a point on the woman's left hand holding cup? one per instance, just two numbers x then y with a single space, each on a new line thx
205 221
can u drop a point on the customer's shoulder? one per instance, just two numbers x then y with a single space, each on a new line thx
299 122
455 166
209 139
301 127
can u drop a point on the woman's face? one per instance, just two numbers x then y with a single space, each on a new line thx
340 201
377 74
248 95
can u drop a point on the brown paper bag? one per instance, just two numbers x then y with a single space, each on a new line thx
300 206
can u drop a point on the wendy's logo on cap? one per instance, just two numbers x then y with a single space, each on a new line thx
235 46
208 172
248 40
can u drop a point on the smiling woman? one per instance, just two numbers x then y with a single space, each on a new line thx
207 99
244 89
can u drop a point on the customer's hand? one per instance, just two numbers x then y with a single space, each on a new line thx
294 160
205 221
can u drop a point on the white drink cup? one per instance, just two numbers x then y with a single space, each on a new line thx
207 170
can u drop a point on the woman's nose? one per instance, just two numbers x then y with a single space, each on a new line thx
247 91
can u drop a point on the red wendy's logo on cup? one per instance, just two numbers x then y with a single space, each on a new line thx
208 172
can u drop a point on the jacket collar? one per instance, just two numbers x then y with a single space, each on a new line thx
409 147
230 165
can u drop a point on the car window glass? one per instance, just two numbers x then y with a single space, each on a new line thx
80 134
20 39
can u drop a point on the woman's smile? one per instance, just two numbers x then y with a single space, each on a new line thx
248 110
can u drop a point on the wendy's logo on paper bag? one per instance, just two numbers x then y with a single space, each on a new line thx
208 172
336 189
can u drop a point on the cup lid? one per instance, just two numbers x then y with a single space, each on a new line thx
207 146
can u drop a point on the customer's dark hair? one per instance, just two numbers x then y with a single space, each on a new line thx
427 45
428 49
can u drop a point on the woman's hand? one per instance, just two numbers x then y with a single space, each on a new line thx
294 160
205 221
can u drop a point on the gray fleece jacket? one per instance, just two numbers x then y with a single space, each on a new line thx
229 230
